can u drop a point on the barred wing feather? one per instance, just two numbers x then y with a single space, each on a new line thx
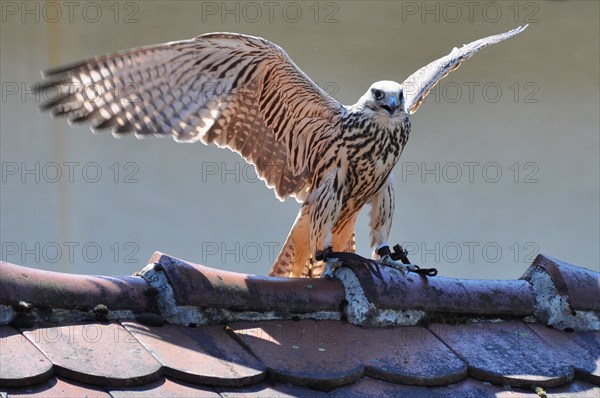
237 91
417 86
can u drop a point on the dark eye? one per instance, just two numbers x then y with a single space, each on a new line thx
401 96
377 94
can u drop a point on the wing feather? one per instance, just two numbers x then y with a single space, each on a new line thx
240 92
418 85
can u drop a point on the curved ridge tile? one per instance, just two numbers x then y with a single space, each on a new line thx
567 296
302 353
407 355
505 353
580 285
201 355
203 286
58 387
99 354
165 387
391 289
21 364
60 290
581 348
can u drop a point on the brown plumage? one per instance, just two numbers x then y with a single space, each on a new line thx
244 93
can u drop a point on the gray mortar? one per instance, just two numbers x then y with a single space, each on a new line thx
167 306
553 309
360 311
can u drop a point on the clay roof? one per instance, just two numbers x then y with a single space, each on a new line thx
179 329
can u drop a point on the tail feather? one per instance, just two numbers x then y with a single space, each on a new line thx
295 256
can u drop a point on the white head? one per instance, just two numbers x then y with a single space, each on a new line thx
384 98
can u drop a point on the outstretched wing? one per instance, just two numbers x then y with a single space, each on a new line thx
417 86
237 91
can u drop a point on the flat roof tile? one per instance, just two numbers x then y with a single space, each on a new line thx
372 388
581 348
301 353
270 390
506 353
21 363
165 387
201 355
406 355
58 387
104 354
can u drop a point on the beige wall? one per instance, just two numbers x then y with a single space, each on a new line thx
528 108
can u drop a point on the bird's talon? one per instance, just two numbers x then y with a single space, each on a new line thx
387 261
327 275
330 265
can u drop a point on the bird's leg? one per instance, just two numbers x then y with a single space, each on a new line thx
330 266
330 263
388 262
390 259
382 211
325 208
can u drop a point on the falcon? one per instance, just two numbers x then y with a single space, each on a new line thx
244 93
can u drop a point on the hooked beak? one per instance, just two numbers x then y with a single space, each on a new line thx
391 106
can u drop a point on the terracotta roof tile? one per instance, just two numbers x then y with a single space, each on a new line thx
574 389
373 388
580 285
270 390
467 388
201 355
184 330
21 364
58 387
390 289
165 388
471 388
582 349
406 355
58 290
204 286
304 353
99 354
506 353
567 297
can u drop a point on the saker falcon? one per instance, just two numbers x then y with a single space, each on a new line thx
246 94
